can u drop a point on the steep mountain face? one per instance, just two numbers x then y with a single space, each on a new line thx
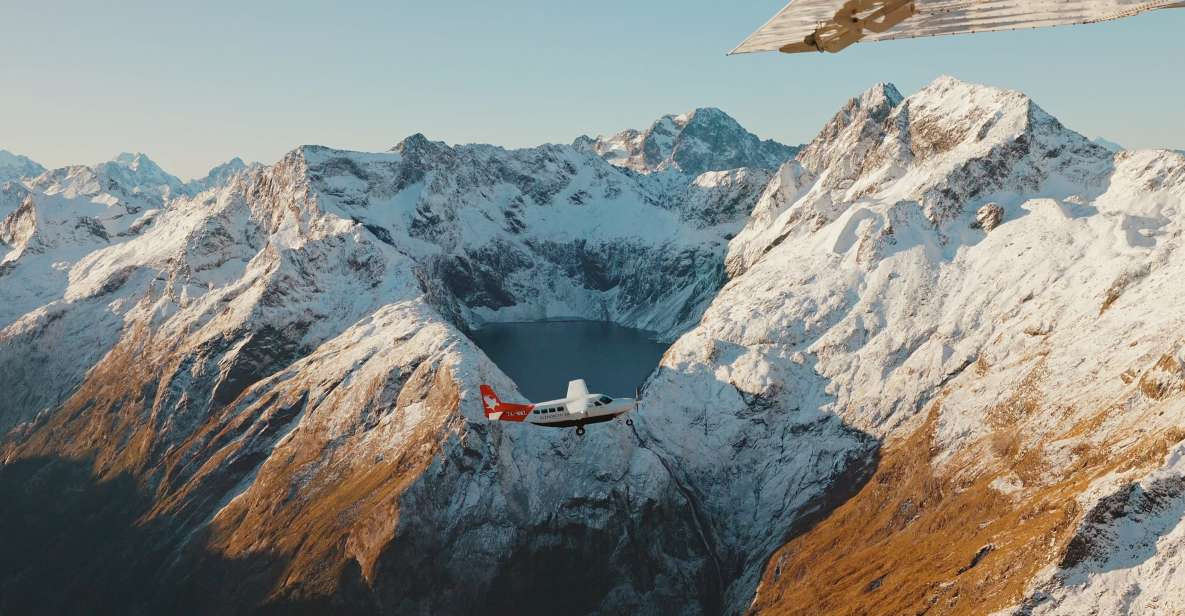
1001 370
931 364
14 167
705 139
344 280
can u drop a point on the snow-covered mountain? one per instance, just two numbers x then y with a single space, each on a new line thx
220 175
132 182
931 364
695 142
14 167
140 173
1001 370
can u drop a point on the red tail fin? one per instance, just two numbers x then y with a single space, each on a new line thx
489 400
497 410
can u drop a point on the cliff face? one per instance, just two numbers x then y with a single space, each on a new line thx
262 395
1001 369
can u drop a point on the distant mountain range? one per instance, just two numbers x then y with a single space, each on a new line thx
701 140
930 362
135 173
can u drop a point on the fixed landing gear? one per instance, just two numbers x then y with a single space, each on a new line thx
579 430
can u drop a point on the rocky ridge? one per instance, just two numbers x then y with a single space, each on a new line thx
277 370
700 140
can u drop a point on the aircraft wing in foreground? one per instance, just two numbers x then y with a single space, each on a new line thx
834 25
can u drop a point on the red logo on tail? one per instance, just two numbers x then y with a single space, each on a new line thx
498 410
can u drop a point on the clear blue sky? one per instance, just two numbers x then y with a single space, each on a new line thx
195 83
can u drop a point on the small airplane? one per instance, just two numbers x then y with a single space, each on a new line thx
577 409
835 25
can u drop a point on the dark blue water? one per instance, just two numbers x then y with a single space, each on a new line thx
543 356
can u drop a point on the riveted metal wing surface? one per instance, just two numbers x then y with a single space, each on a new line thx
833 25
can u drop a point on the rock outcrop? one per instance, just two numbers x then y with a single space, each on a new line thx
989 217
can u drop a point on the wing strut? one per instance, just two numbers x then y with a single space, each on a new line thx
850 23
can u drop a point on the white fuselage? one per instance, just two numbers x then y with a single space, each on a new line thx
588 408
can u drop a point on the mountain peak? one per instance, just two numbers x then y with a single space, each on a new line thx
953 111
948 85
959 96
220 174
700 140
135 161
882 93
139 169
418 143
948 81
705 114
945 114
132 173
233 164
15 167
856 125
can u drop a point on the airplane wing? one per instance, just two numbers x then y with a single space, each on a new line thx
577 389
832 25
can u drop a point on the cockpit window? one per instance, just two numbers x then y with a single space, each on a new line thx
606 400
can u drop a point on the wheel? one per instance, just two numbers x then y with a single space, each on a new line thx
629 422
579 430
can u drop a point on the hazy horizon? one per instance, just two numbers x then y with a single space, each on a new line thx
194 87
